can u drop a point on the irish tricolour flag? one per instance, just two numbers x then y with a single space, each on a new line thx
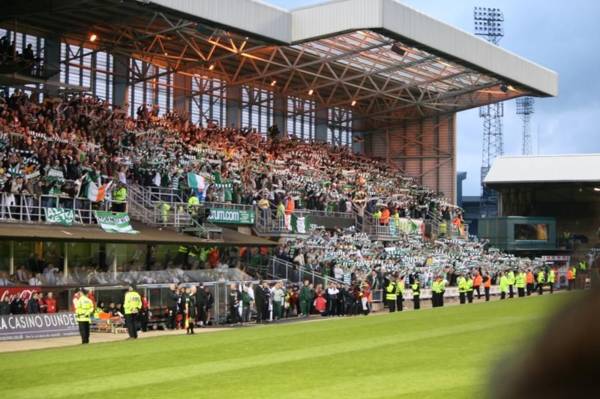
195 181
97 194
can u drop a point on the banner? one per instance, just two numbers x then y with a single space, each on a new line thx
42 325
231 216
60 216
114 222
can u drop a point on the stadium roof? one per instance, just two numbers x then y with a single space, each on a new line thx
389 60
545 169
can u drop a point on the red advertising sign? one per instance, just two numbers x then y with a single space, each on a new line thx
24 292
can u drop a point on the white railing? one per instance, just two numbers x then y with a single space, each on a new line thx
30 209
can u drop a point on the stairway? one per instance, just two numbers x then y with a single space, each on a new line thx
167 211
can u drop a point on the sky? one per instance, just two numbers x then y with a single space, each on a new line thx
562 36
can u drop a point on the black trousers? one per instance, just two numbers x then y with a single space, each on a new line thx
521 292
478 292
416 302
441 299
511 292
391 305
529 289
172 318
470 296
540 289
144 320
131 323
259 312
551 287
399 303
202 314
487 294
461 298
502 295
571 285
84 331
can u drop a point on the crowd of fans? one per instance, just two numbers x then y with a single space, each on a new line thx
30 302
350 256
62 145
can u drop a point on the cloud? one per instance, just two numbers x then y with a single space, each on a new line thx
557 35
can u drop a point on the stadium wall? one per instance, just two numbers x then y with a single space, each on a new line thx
424 149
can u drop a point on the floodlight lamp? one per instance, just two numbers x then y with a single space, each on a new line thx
93 37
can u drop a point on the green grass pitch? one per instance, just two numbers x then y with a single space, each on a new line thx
431 353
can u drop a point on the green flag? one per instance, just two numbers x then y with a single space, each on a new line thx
114 222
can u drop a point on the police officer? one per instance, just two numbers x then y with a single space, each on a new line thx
84 308
511 283
120 198
400 293
390 294
520 283
462 288
541 280
416 291
438 287
503 285
469 288
132 305
551 279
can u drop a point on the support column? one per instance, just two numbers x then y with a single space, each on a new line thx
120 79
280 113
182 92
114 261
234 106
11 257
359 127
322 119
52 64
66 260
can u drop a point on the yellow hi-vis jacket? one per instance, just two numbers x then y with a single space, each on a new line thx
133 302
84 307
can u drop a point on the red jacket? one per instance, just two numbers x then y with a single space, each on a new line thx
50 305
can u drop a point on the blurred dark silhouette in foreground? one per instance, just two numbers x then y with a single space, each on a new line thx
562 362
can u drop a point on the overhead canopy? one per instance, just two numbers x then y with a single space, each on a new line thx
384 59
545 169
147 235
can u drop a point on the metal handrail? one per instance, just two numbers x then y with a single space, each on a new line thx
295 273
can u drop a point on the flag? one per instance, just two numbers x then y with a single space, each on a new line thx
195 181
97 194
297 224
114 222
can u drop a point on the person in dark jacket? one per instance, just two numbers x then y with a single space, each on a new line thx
172 302
259 301
190 309
234 302
17 306
201 305
5 306
33 305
